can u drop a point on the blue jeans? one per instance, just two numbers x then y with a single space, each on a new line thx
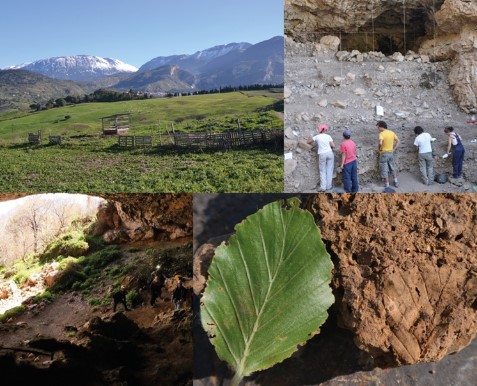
350 177
457 161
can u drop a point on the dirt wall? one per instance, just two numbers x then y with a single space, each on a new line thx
405 271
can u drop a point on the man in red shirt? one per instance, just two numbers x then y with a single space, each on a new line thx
349 164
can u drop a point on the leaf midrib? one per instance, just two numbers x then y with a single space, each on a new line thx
272 280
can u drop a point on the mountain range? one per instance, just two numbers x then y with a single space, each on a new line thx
232 64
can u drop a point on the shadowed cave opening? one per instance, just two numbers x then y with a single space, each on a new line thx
392 31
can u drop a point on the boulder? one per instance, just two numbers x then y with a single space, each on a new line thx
330 42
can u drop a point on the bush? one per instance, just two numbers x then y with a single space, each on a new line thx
69 244
11 313
68 277
102 258
46 296
94 301
133 299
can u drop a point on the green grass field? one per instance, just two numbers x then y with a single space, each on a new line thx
90 163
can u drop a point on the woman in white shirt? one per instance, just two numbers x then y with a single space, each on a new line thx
326 157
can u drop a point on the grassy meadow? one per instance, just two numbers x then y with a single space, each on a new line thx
88 162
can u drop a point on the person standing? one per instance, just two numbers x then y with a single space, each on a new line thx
349 163
155 287
458 151
119 297
388 143
178 296
426 163
325 155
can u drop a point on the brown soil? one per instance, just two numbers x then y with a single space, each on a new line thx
405 279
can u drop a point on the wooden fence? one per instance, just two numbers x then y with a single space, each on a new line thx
228 139
135 140
54 139
34 139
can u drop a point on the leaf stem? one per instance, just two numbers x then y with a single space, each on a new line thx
236 379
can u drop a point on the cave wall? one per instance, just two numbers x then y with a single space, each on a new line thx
145 217
443 30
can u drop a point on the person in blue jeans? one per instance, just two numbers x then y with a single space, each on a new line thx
456 148
349 164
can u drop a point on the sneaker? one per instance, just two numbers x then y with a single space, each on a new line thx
386 185
396 184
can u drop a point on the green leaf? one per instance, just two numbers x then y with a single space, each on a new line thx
268 289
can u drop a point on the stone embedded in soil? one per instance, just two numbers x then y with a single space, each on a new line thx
405 271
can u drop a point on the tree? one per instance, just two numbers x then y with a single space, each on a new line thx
60 102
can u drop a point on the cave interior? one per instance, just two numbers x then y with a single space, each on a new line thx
394 30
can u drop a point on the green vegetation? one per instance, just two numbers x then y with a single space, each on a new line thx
11 313
72 243
99 271
88 162
133 298
25 267
46 296
83 273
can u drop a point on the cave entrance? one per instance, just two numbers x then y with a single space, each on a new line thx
388 33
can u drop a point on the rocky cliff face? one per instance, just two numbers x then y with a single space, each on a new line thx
443 30
145 217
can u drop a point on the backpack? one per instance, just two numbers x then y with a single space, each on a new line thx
441 178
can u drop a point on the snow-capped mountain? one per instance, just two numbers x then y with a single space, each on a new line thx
196 61
78 67
234 64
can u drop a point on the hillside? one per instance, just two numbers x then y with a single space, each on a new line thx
167 78
20 88
194 62
106 167
261 63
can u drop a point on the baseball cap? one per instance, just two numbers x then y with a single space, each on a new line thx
322 127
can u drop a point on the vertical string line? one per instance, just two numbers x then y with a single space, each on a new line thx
404 23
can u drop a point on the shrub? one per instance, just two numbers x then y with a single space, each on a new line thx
133 298
68 277
69 244
11 313
102 258
46 296
94 301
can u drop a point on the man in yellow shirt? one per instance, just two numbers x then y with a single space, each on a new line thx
388 143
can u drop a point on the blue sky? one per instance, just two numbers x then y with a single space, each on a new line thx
133 31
